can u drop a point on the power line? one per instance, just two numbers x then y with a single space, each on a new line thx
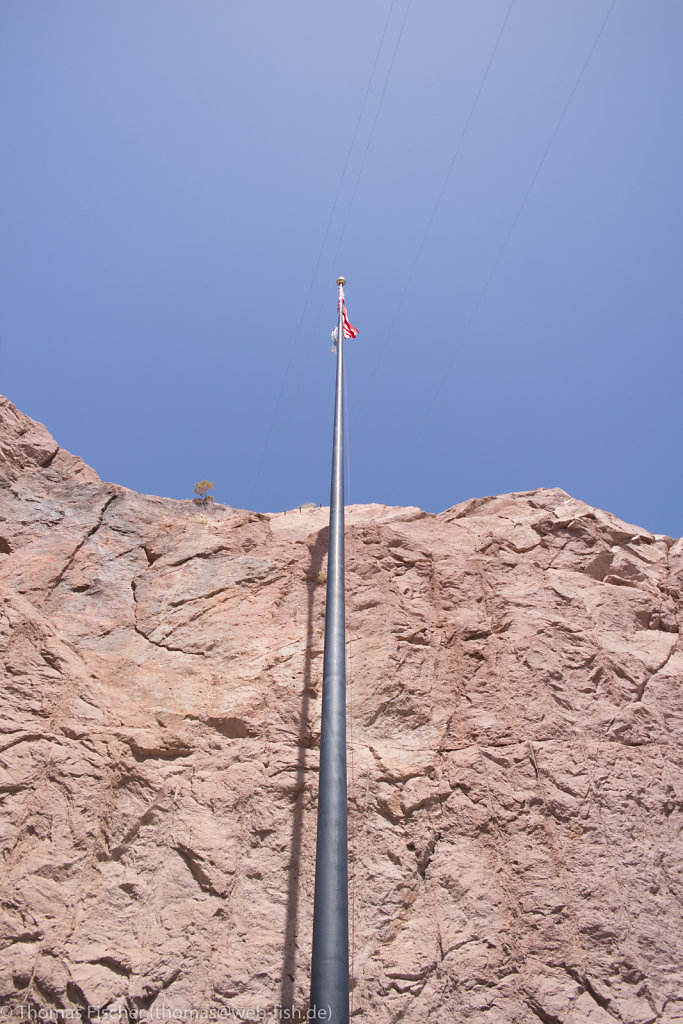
285 430
459 344
367 148
370 137
437 203
320 253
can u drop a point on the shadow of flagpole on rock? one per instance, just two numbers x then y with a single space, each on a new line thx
318 552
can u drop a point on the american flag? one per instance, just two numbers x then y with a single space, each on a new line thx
349 330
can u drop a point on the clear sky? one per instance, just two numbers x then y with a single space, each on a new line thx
500 183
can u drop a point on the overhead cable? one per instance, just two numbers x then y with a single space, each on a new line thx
333 265
442 190
320 254
460 342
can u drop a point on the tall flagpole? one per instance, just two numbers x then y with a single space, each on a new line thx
330 960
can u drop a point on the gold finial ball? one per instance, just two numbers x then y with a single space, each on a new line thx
341 281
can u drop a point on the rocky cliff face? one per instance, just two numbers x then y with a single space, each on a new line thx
515 771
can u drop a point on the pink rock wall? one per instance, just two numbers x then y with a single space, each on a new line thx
515 770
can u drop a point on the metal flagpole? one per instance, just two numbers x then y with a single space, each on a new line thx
330 960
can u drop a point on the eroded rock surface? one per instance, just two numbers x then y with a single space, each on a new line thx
515 770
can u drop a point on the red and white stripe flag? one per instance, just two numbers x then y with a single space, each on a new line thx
349 330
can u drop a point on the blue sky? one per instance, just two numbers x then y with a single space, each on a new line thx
170 241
